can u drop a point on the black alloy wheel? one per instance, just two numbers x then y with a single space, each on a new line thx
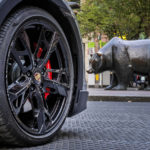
38 77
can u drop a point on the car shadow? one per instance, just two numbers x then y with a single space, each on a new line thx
61 135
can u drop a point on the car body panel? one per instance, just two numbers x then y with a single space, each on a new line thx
65 15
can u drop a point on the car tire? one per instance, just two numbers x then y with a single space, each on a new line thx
36 78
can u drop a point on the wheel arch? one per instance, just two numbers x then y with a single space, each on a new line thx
61 13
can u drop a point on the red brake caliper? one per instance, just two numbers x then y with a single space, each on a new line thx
48 66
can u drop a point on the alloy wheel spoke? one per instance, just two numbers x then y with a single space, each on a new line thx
40 39
58 71
41 121
17 91
22 102
60 64
50 48
40 116
42 113
16 55
59 88
26 43
25 40
18 87
20 55
63 70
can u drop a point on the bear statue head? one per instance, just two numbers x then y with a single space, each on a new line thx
96 63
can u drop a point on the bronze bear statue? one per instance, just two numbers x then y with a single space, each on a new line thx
124 58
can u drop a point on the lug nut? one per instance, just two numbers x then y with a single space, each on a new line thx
32 88
35 64
28 74
44 69
41 88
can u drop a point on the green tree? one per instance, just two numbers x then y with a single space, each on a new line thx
115 17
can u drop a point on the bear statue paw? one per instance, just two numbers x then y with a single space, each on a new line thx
119 87
147 88
109 87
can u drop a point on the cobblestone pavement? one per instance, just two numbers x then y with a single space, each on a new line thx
105 126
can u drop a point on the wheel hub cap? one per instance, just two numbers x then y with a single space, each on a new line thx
37 77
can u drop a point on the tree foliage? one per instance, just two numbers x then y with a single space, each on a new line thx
115 17
77 1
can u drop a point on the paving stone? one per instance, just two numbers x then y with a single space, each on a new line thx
104 126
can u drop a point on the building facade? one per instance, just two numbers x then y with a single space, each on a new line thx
90 47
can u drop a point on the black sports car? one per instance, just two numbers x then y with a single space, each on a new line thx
41 70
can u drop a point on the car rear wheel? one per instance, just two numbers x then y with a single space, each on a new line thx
36 78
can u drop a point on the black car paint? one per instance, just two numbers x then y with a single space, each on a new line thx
80 91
